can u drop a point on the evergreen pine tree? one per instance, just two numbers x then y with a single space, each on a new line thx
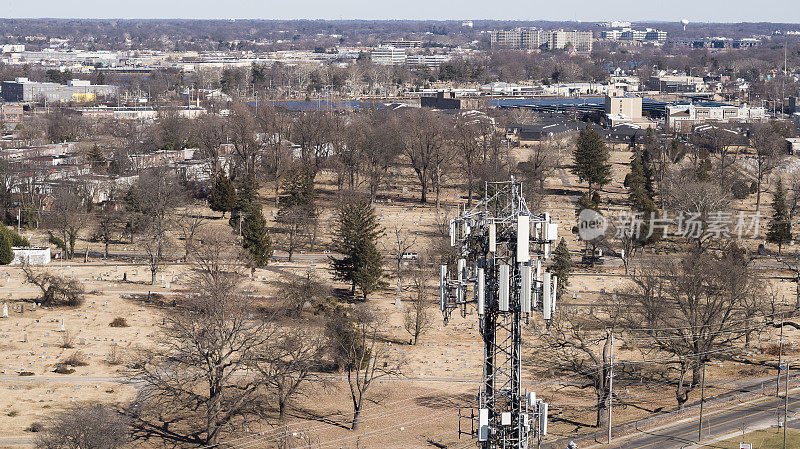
780 230
6 253
369 268
639 183
591 159
298 189
223 195
246 198
355 237
704 166
255 238
562 264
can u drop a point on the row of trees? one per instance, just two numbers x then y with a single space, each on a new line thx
684 310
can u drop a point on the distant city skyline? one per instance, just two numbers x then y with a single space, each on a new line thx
782 11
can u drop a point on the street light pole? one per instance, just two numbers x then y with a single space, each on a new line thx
610 380
702 401
786 404
780 356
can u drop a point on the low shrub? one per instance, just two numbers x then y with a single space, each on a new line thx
119 322
77 358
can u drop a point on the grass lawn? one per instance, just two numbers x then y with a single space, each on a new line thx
771 438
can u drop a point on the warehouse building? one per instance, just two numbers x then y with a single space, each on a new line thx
22 89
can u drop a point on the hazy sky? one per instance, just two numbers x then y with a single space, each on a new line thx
585 10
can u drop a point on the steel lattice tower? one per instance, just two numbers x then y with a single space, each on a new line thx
501 246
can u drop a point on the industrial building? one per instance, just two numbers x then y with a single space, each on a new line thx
682 117
22 89
676 83
451 100
137 113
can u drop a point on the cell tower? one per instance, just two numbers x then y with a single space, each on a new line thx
501 247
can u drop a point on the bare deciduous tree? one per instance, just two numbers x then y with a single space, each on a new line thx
769 152
67 216
417 319
85 426
698 202
578 344
544 158
151 203
377 146
287 362
297 291
402 244
189 225
692 308
356 345
192 391
108 228
423 142
56 290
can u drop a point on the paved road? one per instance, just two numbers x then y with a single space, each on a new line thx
757 414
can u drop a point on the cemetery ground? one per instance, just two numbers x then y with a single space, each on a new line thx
418 409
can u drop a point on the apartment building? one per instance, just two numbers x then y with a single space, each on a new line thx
11 114
631 35
518 38
534 38
580 41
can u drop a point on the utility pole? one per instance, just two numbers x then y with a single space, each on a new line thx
786 404
610 379
702 401
780 356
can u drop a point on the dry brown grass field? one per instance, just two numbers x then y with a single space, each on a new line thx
415 411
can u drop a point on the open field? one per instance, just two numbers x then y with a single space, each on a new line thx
417 410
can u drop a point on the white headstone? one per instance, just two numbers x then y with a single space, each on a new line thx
5 310
62 325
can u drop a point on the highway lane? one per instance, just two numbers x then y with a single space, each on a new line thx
753 415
